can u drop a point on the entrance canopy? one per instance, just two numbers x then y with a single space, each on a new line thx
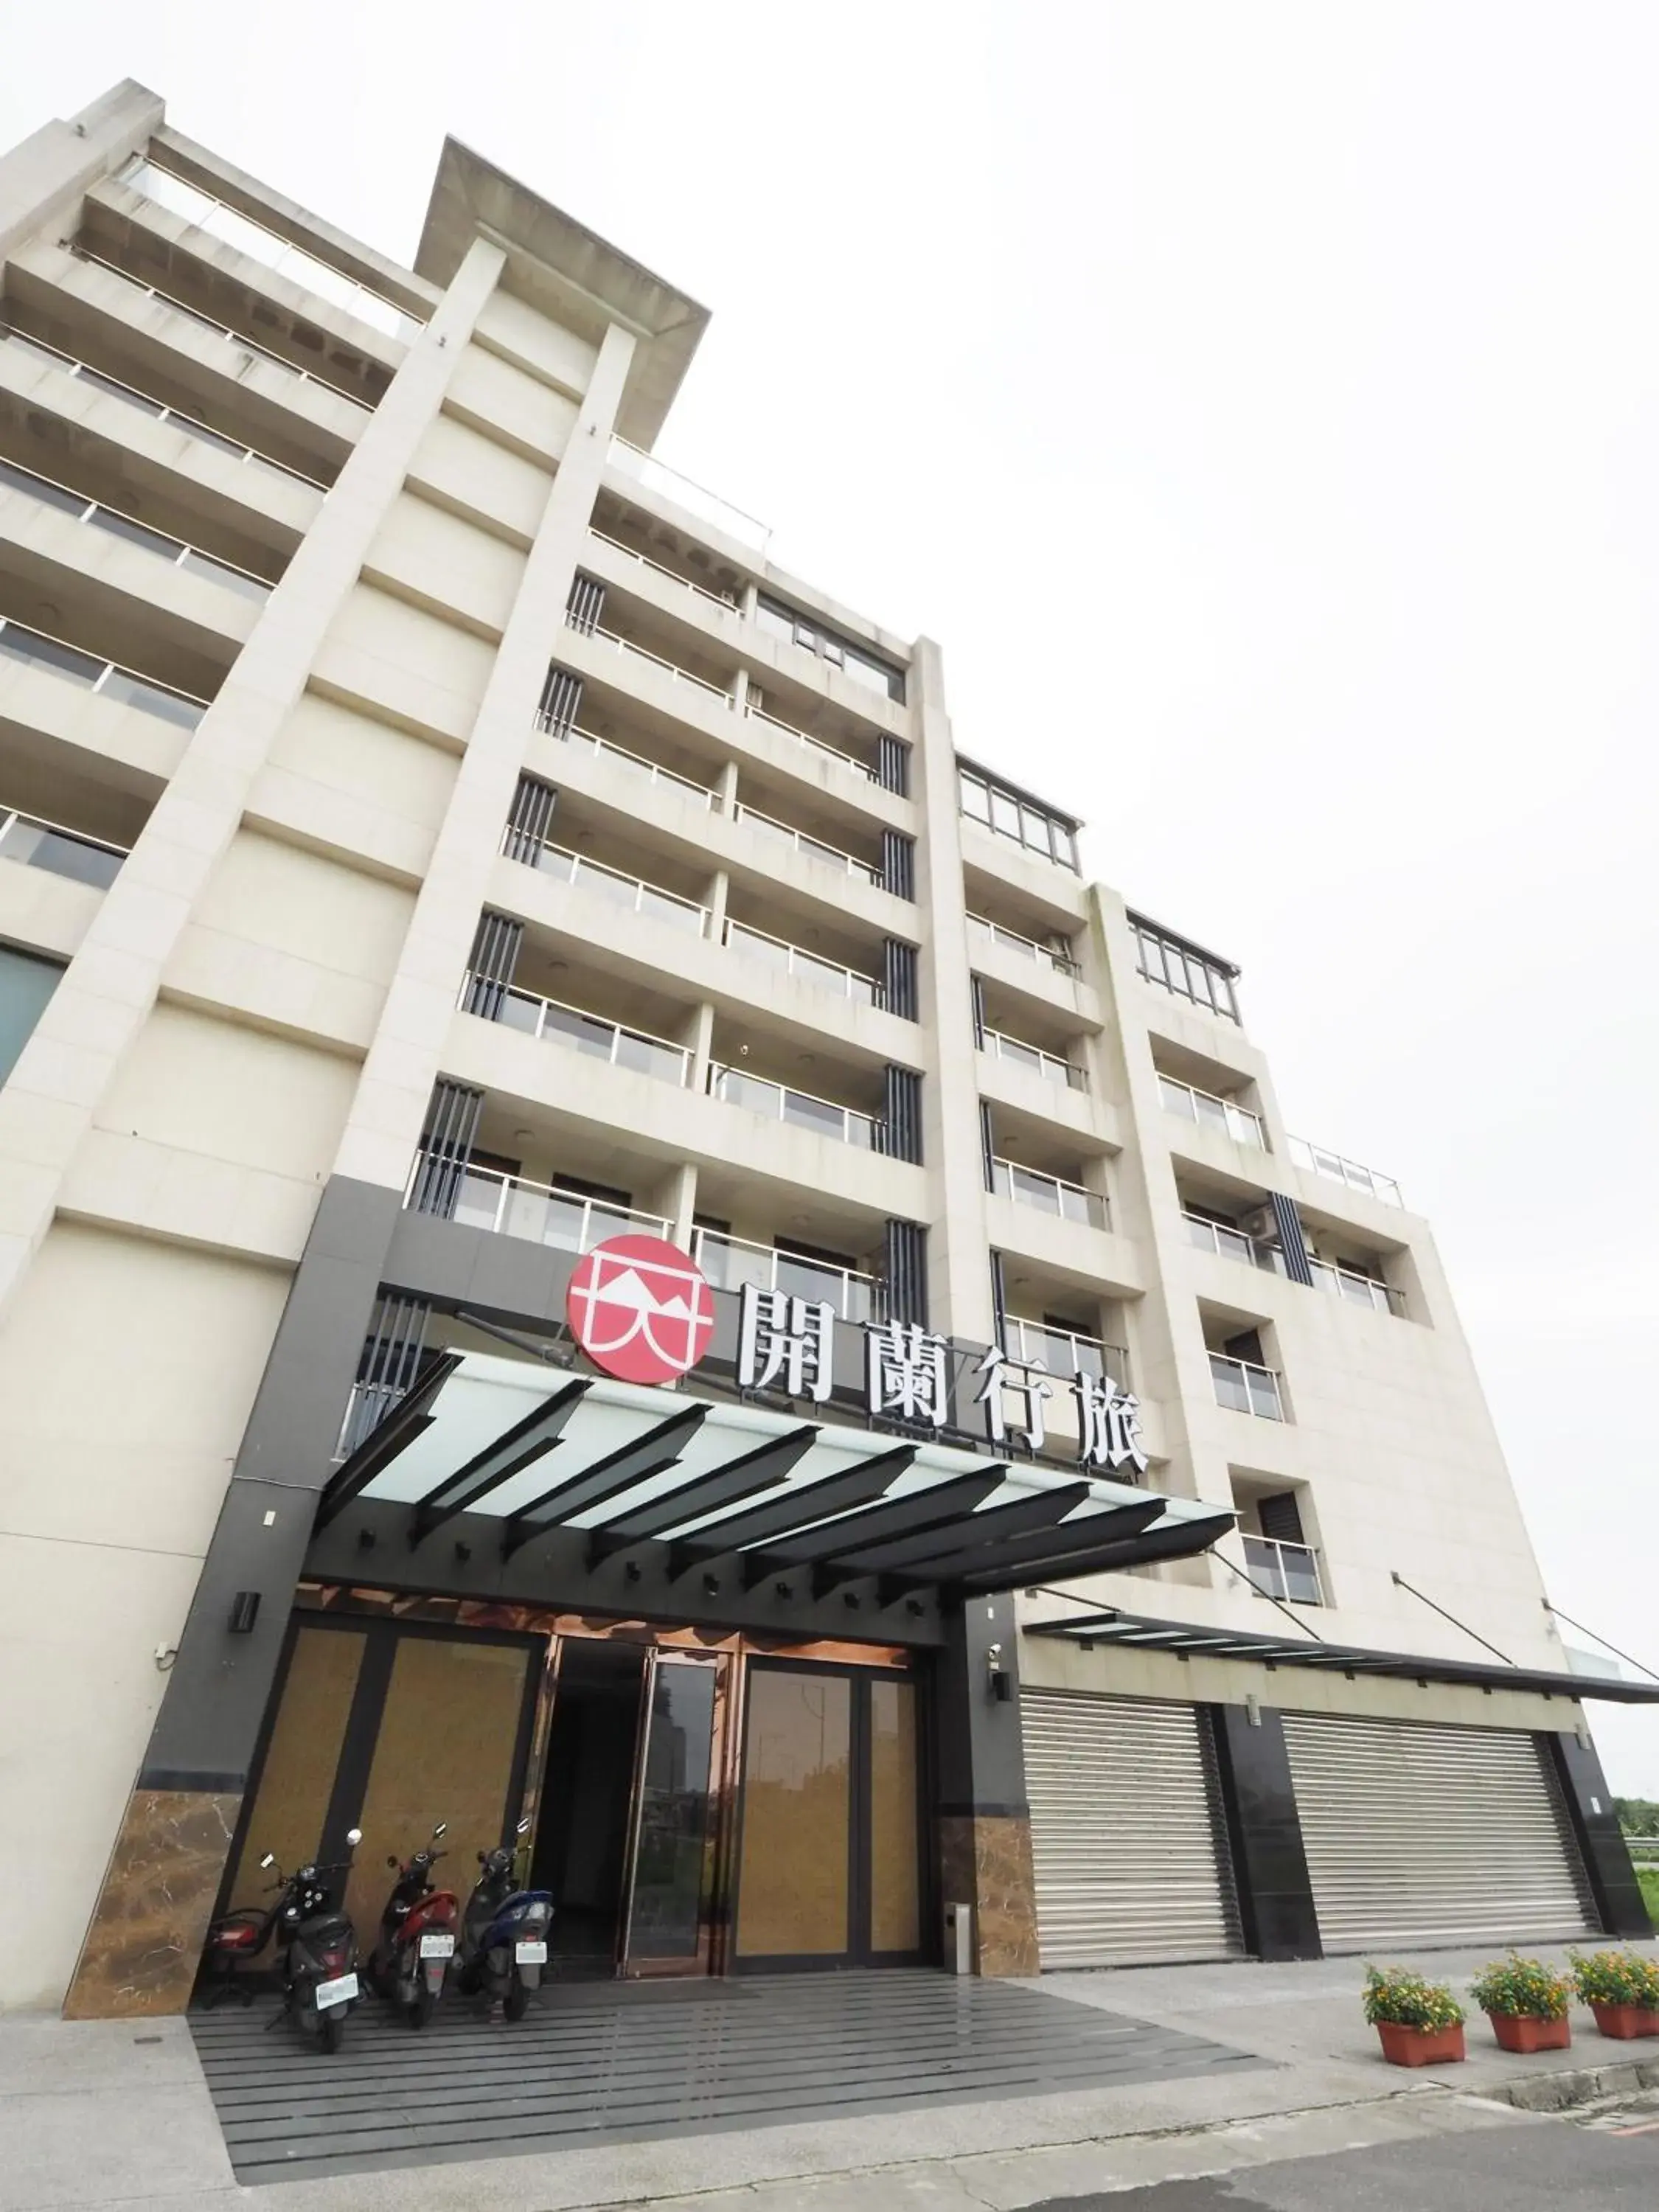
490 1447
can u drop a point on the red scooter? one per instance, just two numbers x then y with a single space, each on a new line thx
417 1937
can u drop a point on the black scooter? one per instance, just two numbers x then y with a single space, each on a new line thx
318 1950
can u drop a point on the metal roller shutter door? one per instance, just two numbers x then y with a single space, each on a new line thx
1127 1837
1422 1834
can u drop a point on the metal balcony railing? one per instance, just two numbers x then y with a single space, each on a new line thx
804 737
269 248
731 1262
1285 1570
32 843
176 551
1063 1350
811 967
1244 1388
612 883
607 749
811 848
510 1207
798 1107
587 1033
1233 1244
1358 1289
1209 1112
1050 1065
627 646
994 933
1048 1194
656 476
37 650
726 601
1337 1169
129 397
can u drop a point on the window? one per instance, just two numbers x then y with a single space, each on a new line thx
1181 968
779 621
1010 814
25 984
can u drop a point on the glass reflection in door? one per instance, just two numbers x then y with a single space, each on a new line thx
681 1729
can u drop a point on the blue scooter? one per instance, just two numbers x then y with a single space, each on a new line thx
504 1934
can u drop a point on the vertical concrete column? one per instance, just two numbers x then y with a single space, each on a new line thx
958 1265
984 1821
719 892
740 691
727 788
42 180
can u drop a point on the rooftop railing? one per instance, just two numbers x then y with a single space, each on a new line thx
612 883
1244 1388
269 247
37 650
656 476
55 358
801 1109
1224 1115
541 1214
805 738
811 848
670 668
810 966
1048 1194
1358 1289
995 933
1285 1570
587 1033
1063 1350
724 599
607 749
729 1262
33 843
1337 1169
176 551
1049 1064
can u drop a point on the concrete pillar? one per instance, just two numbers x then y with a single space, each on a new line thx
42 180
984 1821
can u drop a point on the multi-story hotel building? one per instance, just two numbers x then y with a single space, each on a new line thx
435 842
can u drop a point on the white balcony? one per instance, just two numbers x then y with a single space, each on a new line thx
1335 1169
804 738
173 550
799 1108
37 650
809 849
809 966
1068 1201
656 476
607 749
731 1262
1063 1350
1221 1115
30 842
509 1206
1049 1064
1243 1388
627 650
1285 1570
1233 1244
726 601
1052 955
611 884
1358 1289
587 1034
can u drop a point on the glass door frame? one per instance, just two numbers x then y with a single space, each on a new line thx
702 1960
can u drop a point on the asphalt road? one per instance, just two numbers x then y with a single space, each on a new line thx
1557 2167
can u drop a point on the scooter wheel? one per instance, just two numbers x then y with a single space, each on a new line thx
419 2008
331 2030
516 2002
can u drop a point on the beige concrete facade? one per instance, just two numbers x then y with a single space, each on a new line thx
307 765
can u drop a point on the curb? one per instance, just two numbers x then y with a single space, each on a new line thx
1561 2092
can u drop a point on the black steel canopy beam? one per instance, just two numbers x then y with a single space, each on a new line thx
391 1435
513 1450
763 1468
937 1507
993 1526
867 1479
607 1478
1116 1525
1179 1542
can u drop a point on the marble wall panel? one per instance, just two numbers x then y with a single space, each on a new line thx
145 1941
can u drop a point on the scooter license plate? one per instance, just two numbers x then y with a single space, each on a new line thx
530 1954
437 1946
342 1990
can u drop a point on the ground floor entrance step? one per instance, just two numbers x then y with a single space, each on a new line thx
610 2062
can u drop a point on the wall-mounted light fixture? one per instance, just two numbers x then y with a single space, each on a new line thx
1001 1681
244 1612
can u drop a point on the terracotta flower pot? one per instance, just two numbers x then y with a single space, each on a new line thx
1624 2022
1421 2046
1526 2032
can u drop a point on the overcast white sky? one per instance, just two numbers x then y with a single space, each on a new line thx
1261 403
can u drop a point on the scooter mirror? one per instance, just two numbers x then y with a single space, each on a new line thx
269 1860
391 1858
443 1829
354 1837
523 1826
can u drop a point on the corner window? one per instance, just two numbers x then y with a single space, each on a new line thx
1019 818
1181 968
781 621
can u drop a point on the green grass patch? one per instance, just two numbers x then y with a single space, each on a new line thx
1649 1878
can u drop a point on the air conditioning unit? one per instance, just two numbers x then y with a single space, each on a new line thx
1262 1225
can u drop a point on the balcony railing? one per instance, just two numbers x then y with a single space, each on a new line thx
1048 1194
810 966
510 1207
626 645
269 247
173 550
726 600
995 933
811 848
1333 1165
1229 1243
607 749
153 407
798 1107
656 476
731 1262
586 1033
32 843
1063 1350
805 738
37 650
612 883
1049 1064
1358 1289
1285 1570
1222 1114
1244 1388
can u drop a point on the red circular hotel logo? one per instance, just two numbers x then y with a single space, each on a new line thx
641 1309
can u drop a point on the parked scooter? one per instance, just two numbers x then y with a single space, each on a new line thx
504 1935
417 1936
318 1953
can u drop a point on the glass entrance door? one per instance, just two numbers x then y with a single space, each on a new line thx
668 1923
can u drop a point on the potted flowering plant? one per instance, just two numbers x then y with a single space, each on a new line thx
1527 2003
1621 1988
1418 2023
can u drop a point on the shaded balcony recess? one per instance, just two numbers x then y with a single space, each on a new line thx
512 1205
176 551
1050 1065
731 1262
36 650
763 714
996 932
1063 1350
1067 1201
1229 1243
219 330
269 248
1329 1275
1224 1115
626 647
727 601
1243 1388
1335 1169
808 967
54 357
612 883
1284 1570
589 1034
656 476
801 1110
811 848
32 843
